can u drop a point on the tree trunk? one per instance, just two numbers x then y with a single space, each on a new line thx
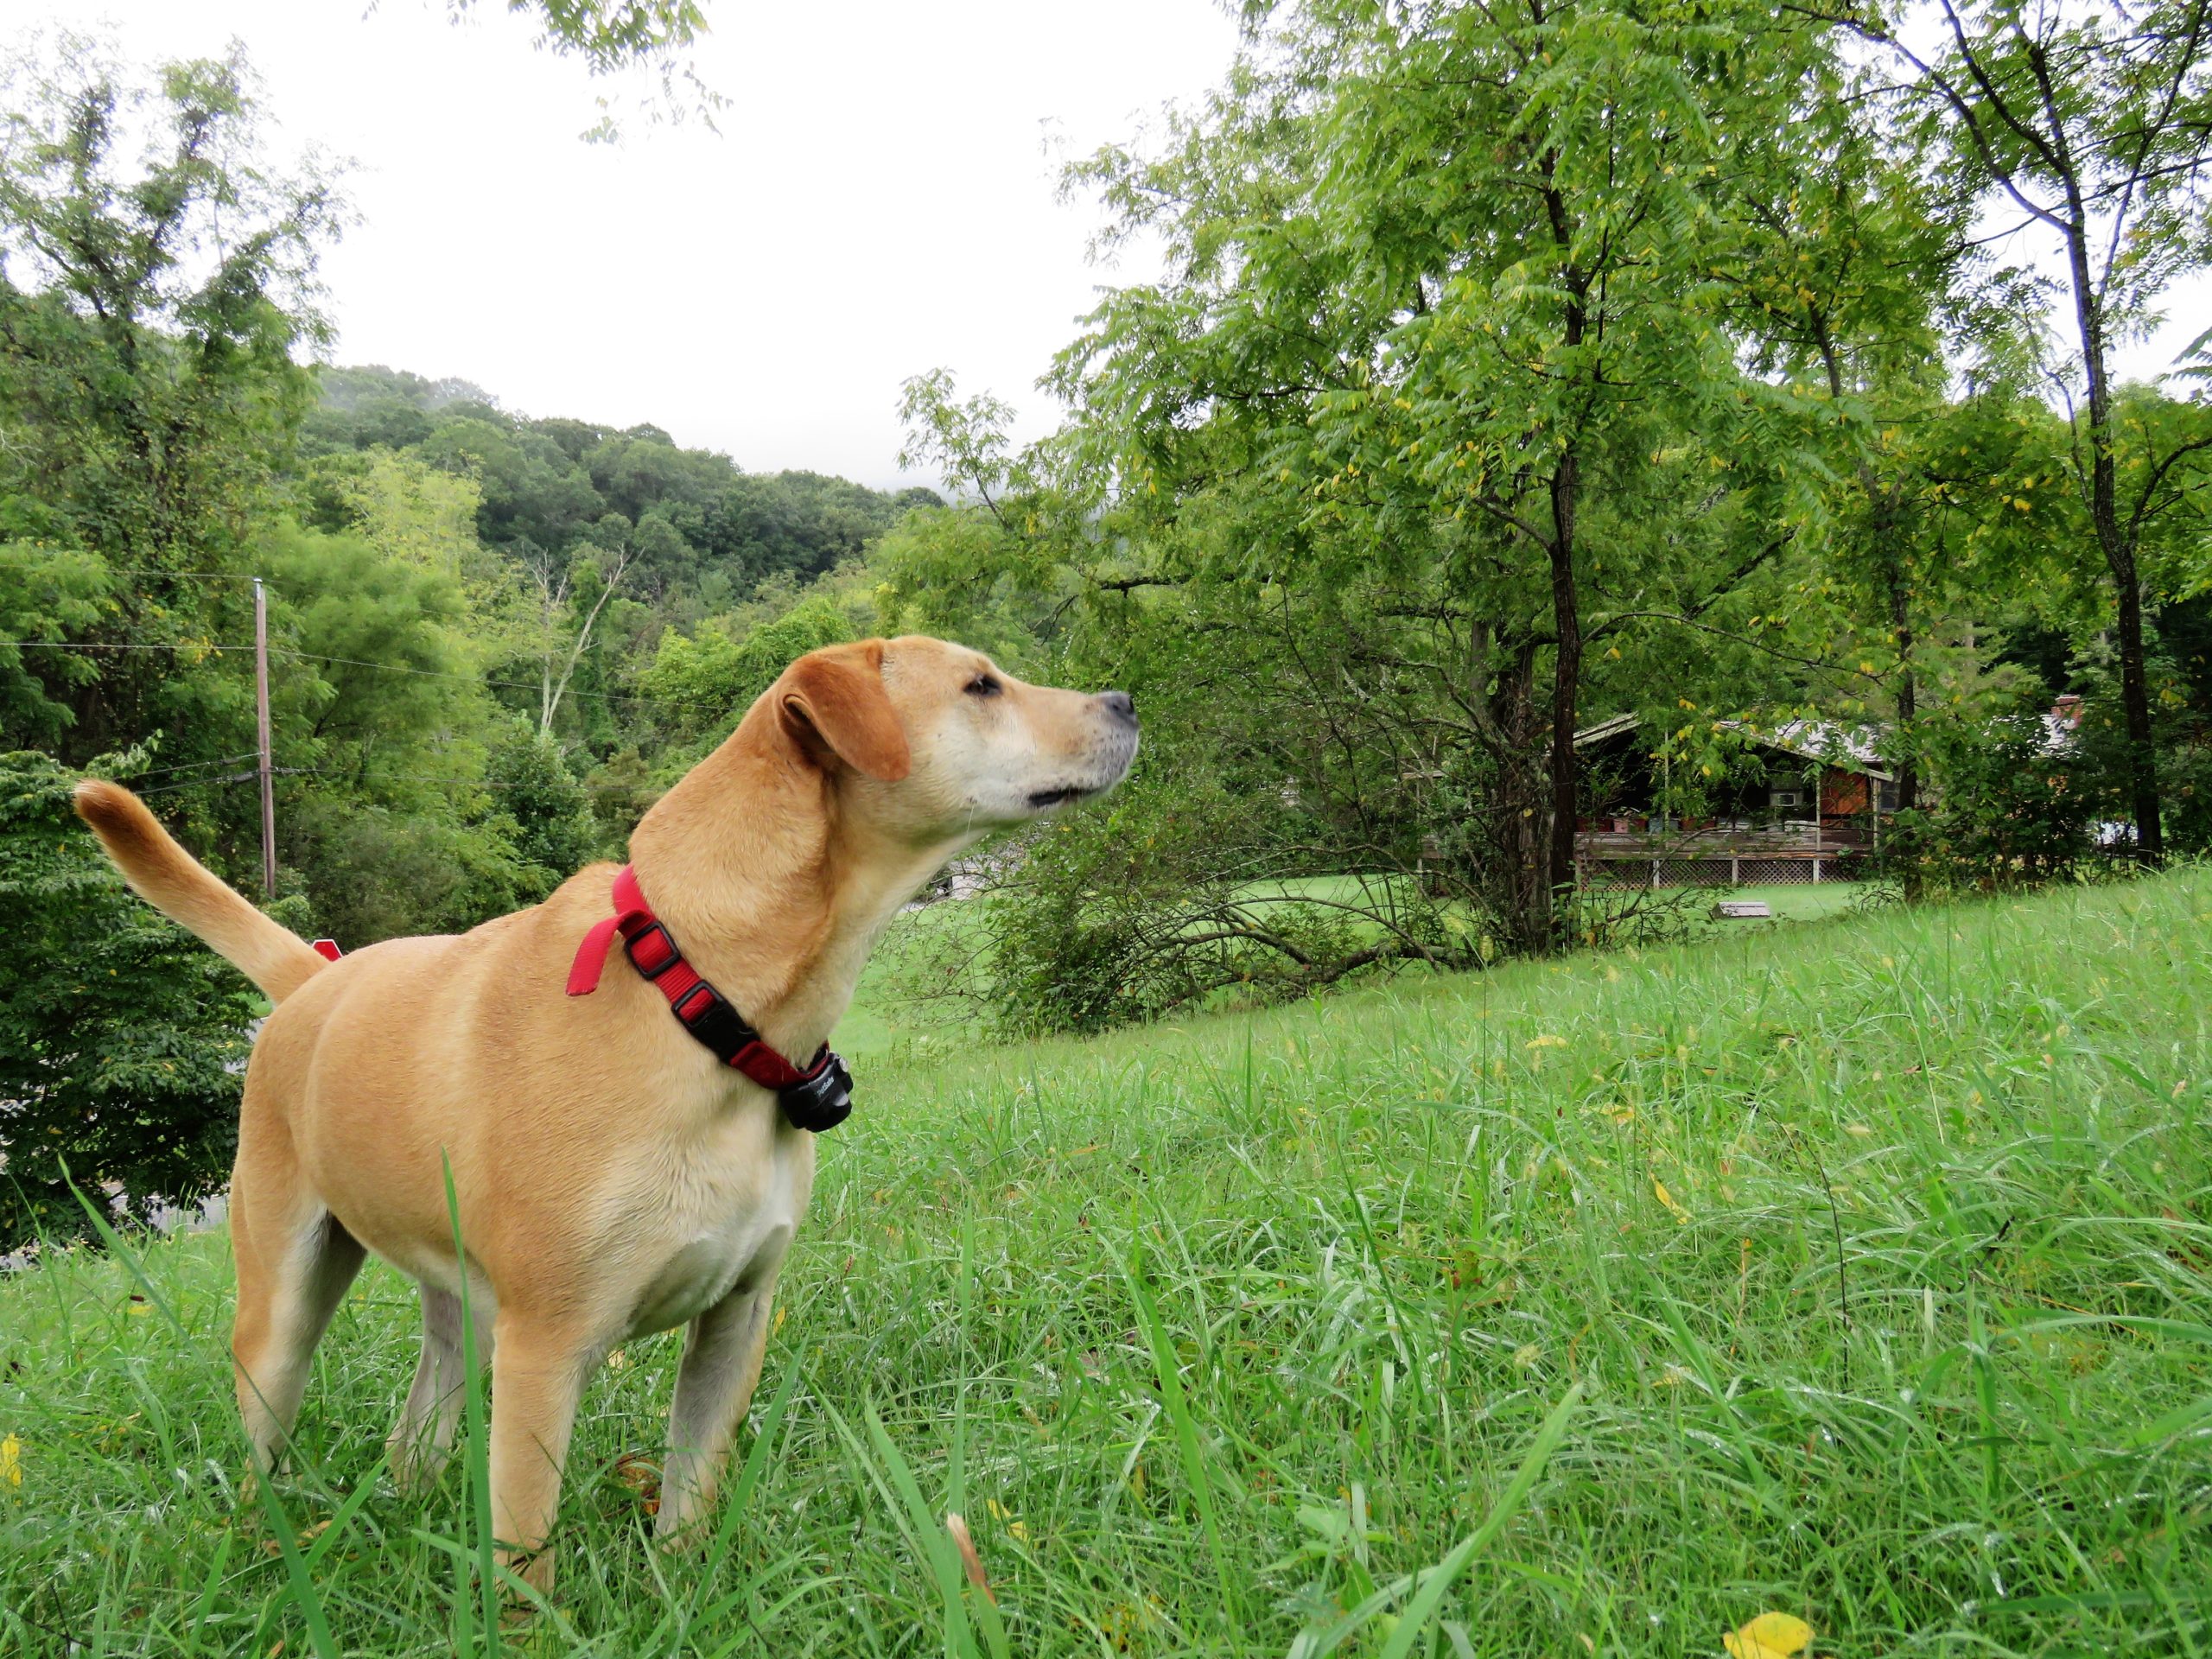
1907 760
2116 545
2135 702
1567 621
1526 901
1566 677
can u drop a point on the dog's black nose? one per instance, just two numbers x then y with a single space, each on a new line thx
1121 703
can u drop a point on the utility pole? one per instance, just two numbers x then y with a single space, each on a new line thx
261 698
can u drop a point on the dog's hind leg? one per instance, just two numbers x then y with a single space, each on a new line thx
422 1439
722 1354
294 1261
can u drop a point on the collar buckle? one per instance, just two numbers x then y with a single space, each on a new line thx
822 1098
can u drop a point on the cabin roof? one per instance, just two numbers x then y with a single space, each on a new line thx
1851 748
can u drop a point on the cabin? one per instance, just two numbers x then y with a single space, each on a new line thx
1806 804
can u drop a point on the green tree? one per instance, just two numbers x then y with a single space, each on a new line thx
1842 274
2092 125
152 298
555 832
122 1038
46 595
1447 279
612 34
716 675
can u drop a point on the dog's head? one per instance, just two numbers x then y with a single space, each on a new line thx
931 742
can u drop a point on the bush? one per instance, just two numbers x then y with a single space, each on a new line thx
1174 895
123 1039
2009 806
378 873
554 832
2185 776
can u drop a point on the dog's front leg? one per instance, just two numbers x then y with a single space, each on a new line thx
722 1352
539 1372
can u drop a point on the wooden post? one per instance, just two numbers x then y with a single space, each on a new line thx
261 700
1819 829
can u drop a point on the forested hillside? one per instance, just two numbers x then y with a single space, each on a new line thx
494 636
482 624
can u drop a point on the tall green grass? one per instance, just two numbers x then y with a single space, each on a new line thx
1863 1272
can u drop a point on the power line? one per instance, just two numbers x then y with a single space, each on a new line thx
357 662
515 685
383 777
82 645
188 575
195 783
195 765
426 778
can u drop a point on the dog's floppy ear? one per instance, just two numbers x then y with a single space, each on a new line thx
833 703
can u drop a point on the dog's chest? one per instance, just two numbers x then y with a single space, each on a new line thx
724 1224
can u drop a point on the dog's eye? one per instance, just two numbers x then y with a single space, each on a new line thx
983 686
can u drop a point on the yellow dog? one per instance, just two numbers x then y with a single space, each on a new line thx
624 1161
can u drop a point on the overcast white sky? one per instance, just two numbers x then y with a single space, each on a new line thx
881 200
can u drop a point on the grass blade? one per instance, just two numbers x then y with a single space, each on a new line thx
1186 1432
297 1579
1441 1577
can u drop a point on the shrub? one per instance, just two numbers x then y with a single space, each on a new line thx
1177 894
2011 805
380 873
2185 774
554 832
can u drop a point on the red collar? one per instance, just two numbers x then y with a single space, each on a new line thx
816 1097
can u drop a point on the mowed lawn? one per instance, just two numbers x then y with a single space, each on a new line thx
1872 1264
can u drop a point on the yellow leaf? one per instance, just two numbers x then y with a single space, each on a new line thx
1548 1042
11 1461
1659 1187
1771 1635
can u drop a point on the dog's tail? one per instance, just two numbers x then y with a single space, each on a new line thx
182 889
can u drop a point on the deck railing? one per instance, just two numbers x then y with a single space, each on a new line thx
1721 869
1715 855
